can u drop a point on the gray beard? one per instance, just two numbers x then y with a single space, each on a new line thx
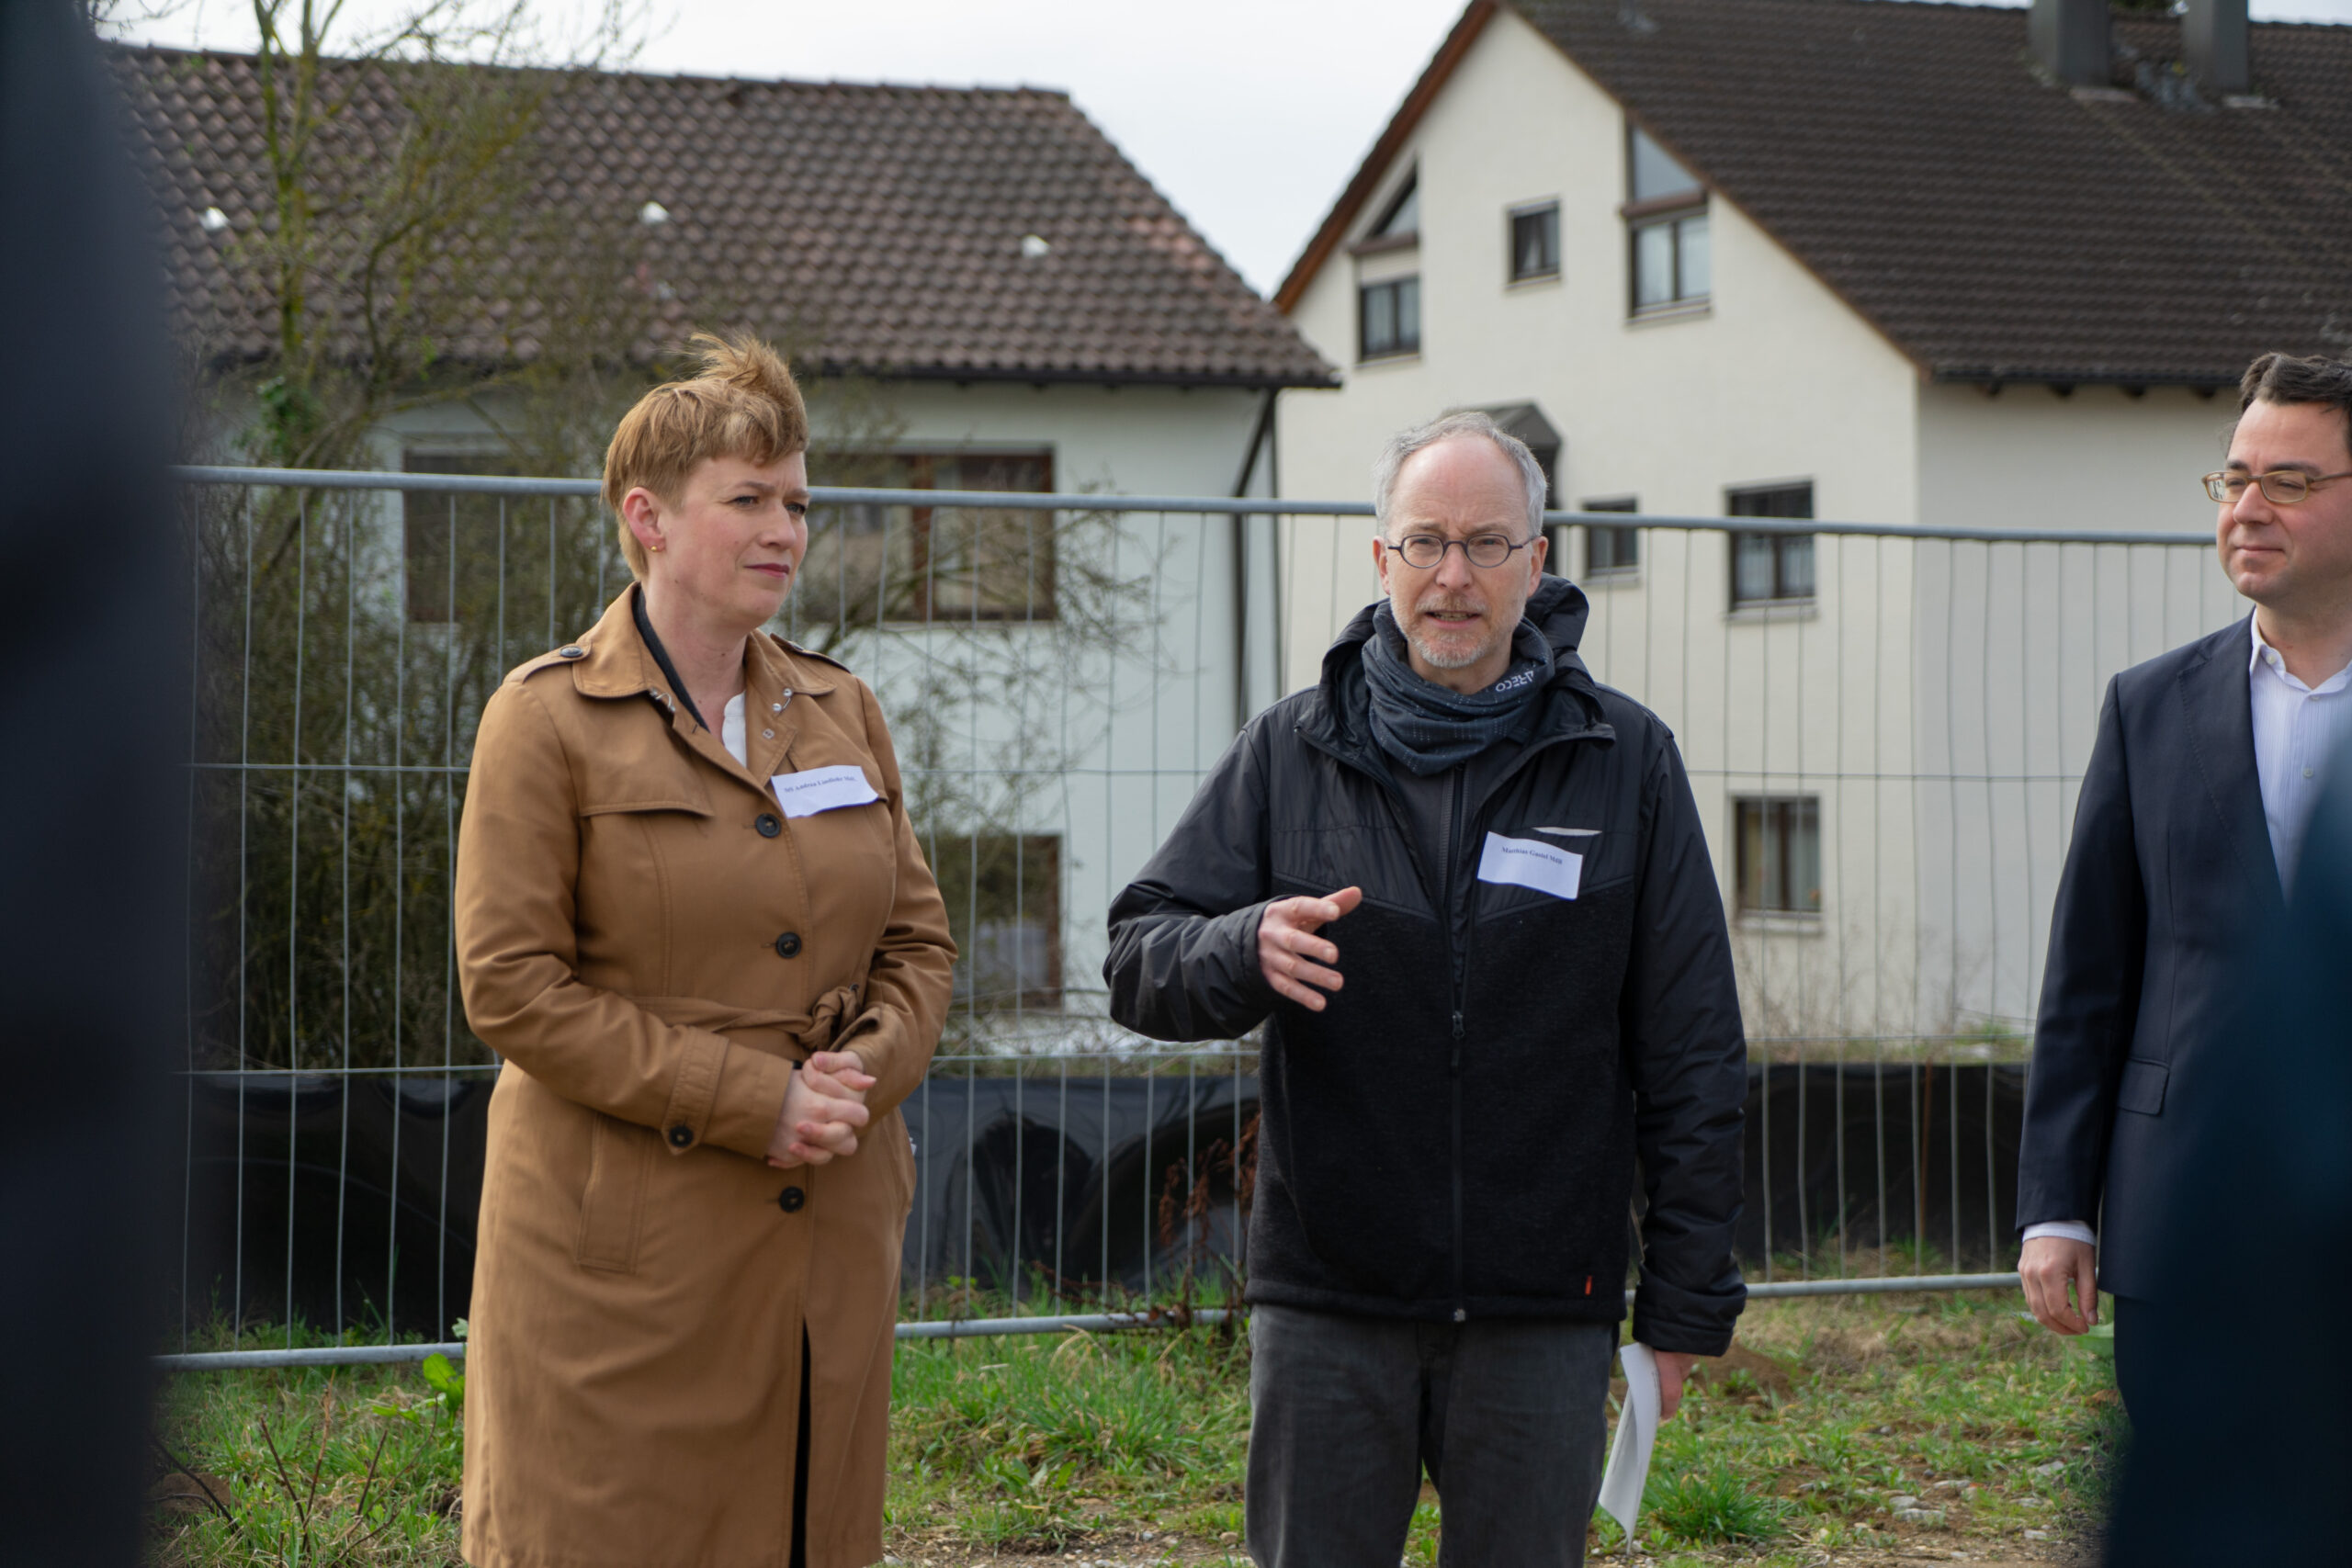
1436 660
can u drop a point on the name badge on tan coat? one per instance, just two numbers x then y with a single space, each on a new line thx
822 789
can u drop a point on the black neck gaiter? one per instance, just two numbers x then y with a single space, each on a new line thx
1428 727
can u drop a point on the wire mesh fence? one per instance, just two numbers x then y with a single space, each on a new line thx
1884 727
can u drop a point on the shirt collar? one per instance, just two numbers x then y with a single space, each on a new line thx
2263 654
614 663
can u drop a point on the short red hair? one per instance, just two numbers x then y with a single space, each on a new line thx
743 403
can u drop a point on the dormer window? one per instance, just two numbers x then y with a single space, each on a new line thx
1404 215
1389 281
1666 227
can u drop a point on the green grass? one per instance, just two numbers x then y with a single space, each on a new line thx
325 1466
1131 1447
1022 1445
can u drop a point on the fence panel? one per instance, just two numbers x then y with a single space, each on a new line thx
1885 728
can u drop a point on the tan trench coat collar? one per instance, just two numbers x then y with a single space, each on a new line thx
611 661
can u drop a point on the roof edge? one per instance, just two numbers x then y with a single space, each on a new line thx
2029 376
1434 75
229 360
690 78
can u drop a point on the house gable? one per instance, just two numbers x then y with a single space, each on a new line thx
1991 227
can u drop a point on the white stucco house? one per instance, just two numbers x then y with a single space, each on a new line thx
1957 268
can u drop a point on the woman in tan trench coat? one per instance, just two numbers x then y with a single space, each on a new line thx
715 963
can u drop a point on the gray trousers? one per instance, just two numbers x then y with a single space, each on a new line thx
1508 1417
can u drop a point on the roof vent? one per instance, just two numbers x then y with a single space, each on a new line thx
213 220
2213 37
1034 245
2070 40
653 214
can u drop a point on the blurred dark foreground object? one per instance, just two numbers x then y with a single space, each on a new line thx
93 728
2241 1391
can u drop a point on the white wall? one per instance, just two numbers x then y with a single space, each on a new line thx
2017 643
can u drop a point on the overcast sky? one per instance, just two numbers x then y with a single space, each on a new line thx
1250 115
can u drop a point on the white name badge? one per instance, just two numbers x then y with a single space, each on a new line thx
822 789
1521 862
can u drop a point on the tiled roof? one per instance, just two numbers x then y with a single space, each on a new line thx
1992 227
881 229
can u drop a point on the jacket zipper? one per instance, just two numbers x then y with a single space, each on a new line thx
1457 985
1454 965
1460 979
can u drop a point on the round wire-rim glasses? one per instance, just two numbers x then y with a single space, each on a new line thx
2281 487
1424 552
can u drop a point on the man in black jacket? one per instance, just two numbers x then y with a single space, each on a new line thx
1536 988
2168 923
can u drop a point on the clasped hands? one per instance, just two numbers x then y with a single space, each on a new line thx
1302 966
824 1108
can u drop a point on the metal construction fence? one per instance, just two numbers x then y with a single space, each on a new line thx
1884 727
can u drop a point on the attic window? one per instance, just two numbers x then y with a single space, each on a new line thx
1404 214
1654 174
1670 258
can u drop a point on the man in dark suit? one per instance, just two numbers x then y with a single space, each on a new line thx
2199 790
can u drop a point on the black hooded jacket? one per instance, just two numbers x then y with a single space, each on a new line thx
1454 1136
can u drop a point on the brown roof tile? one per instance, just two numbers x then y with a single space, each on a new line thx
874 227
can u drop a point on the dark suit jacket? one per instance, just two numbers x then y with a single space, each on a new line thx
2215 1472
2168 882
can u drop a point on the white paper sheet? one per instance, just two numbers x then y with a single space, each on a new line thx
1523 863
822 789
1628 1457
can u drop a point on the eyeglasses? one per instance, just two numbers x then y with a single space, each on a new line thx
1425 552
2281 487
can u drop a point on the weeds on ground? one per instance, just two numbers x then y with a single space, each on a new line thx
1846 1429
1018 1446
330 1466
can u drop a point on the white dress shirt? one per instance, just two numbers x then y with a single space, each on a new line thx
2295 728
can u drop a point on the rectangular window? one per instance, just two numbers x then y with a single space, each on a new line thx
449 542
1389 319
930 563
1611 552
1536 243
1768 566
1778 840
1672 265
1003 894
1671 261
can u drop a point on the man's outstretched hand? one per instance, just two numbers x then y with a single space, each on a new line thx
1296 962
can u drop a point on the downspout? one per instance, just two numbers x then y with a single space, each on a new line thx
1259 437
